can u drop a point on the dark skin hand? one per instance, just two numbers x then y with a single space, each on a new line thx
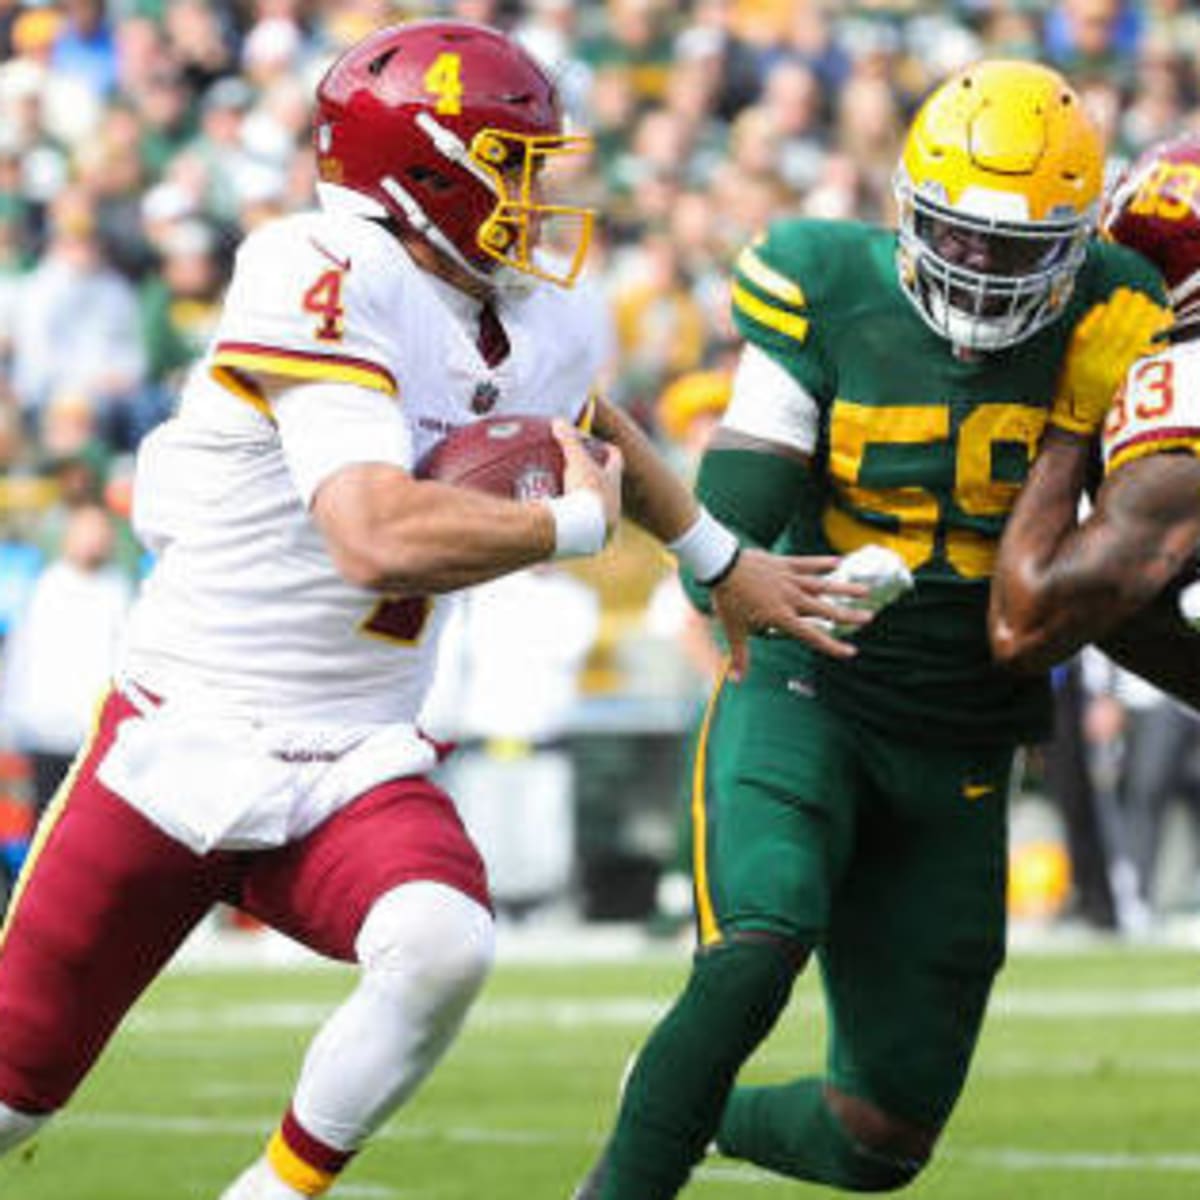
1059 584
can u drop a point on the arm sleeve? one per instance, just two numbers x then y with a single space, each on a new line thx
755 494
326 426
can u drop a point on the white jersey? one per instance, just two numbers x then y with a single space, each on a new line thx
244 612
1157 408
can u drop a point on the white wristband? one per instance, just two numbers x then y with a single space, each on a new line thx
706 548
579 525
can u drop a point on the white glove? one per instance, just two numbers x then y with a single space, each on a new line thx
877 568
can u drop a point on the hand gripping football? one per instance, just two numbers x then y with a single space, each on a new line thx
515 457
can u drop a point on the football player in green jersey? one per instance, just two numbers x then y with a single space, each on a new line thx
893 390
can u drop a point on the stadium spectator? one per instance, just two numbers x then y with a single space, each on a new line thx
62 648
1093 37
77 326
84 48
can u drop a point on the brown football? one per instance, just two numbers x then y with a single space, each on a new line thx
516 457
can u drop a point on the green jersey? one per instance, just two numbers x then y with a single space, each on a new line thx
917 449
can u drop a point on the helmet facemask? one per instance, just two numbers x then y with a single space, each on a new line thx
1029 275
997 191
522 223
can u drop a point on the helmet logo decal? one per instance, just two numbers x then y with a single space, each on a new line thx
324 138
444 81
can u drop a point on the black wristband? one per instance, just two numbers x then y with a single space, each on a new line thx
724 573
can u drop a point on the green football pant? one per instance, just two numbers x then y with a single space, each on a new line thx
887 857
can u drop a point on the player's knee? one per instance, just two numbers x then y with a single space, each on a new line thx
881 1152
429 941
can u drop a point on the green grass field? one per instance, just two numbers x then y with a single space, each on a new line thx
1086 1087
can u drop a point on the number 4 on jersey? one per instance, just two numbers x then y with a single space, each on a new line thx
324 300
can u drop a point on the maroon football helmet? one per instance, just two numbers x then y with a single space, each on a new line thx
445 126
1155 209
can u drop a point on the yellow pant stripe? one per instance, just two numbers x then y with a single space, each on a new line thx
710 931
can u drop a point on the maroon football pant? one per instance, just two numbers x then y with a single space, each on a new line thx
106 898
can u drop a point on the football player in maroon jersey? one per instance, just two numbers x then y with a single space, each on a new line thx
1118 577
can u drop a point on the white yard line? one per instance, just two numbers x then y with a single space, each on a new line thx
1005 1158
642 1011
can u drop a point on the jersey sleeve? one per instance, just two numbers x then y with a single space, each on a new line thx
304 305
773 308
1157 408
325 427
768 402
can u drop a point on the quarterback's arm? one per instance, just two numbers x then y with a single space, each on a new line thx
1060 584
390 532
753 591
347 449
652 495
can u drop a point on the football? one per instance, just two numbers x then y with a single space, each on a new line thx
515 457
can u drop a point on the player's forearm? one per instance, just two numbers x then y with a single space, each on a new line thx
754 487
390 533
1060 585
653 495
1035 588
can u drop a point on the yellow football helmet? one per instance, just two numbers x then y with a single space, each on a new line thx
997 189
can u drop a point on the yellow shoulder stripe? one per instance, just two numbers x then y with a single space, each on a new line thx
767 279
1141 447
789 324
268 360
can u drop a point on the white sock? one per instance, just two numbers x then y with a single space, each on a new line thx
17 1127
425 951
259 1182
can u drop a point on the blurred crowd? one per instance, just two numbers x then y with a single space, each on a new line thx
141 139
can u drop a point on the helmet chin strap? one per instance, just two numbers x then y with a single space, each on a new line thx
336 198
504 279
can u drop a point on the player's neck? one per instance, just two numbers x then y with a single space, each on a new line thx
431 260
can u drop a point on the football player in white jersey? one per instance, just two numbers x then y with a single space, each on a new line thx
1117 576
259 746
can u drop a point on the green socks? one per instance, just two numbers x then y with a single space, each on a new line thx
791 1130
675 1095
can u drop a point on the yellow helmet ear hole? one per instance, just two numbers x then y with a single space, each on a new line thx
497 237
492 150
